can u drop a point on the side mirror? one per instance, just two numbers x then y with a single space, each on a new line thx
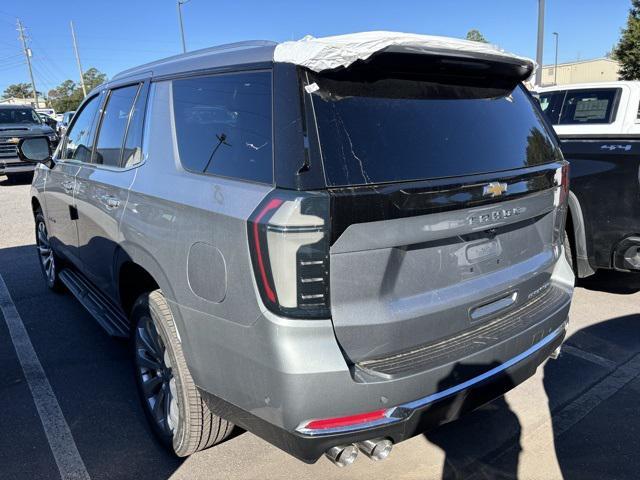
35 150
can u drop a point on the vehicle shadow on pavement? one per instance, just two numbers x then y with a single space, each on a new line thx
592 392
492 428
594 396
24 179
91 376
611 281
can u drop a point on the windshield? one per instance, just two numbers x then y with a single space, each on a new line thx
391 130
19 116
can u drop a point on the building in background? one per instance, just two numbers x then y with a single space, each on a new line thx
24 101
583 71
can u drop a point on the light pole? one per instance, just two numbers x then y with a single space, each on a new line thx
180 3
555 68
538 78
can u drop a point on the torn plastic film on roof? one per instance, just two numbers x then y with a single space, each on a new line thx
327 53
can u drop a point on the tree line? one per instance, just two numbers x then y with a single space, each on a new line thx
66 96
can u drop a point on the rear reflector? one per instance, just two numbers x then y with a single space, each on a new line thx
348 423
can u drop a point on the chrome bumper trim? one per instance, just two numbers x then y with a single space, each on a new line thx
400 412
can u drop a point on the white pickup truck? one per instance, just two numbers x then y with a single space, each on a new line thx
606 108
598 125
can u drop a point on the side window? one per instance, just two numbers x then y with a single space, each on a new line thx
589 106
132 153
223 125
80 136
114 125
551 104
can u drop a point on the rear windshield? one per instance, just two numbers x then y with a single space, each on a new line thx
391 130
584 106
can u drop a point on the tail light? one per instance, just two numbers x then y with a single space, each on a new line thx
289 244
560 202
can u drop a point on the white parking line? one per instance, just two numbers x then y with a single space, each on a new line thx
589 357
63 447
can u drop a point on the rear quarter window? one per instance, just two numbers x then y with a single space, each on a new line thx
223 125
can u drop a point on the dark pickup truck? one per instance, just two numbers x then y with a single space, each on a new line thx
599 129
17 122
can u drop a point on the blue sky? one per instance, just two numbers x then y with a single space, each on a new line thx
118 34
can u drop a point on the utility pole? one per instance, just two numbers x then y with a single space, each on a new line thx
538 79
27 54
555 69
75 49
180 3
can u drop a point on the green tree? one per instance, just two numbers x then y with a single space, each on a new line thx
93 77
475 36
68 95
20 90
627 52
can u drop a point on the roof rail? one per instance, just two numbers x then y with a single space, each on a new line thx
227 47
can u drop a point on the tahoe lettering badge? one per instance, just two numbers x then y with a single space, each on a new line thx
495 215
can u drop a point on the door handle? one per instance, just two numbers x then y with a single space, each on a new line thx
68 186
110 201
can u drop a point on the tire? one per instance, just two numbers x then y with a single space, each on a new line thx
182 421
49 261
568 252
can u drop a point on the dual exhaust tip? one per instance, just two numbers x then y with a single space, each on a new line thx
345 455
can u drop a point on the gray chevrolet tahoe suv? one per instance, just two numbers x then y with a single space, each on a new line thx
334 261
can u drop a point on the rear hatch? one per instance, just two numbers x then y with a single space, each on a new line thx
445 199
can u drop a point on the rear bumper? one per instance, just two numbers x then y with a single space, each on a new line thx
409 419
14 165
274 376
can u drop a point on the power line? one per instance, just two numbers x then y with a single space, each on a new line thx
57 71
12 67
43 79
2 59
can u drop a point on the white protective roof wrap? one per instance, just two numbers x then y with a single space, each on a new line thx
327 53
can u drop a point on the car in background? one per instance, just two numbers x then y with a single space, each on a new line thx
598 125
48 119
18 122
47 111
63 123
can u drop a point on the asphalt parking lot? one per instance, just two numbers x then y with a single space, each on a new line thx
577 418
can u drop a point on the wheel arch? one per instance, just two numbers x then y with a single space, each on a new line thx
138 272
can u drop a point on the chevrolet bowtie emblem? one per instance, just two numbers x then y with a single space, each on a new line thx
13 140
495 189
